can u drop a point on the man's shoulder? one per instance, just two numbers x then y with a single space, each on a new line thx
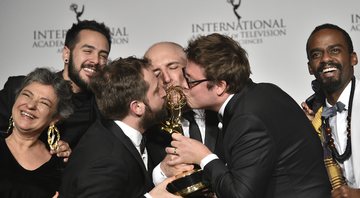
14 81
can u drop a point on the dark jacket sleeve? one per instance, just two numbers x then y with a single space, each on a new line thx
7 99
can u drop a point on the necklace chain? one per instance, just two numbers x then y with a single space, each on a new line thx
330 141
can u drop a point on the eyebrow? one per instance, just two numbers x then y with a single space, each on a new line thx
92 47
173 62
42 98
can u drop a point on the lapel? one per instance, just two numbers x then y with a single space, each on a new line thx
125 140
355 133
211 129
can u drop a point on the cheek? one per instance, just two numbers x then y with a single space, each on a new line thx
194 96
78 59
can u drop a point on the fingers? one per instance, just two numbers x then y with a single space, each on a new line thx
63 150
177 136
56 195
172 151
343 191
307 109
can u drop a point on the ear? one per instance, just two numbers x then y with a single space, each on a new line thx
311 72
354 59
221 87
137 107
54 120
66 54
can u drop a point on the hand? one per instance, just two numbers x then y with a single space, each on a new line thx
63 150
189 151
174 169
308 112
56 195
345 192
160 190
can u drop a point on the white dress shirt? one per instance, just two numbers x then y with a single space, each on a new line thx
135 137
338 126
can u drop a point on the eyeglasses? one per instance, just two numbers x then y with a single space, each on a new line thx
193 83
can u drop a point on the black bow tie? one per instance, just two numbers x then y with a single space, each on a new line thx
331 111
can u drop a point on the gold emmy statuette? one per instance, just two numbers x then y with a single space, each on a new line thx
189 183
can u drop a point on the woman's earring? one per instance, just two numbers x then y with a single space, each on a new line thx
11 125
66 60
53 137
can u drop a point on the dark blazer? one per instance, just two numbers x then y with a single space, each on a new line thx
158 140
105 164
270 149
71 129
7 99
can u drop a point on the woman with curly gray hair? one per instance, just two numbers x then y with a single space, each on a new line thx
27 168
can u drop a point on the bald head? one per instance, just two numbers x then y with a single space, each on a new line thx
167 60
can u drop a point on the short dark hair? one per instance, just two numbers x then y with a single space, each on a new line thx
72 34
333 27
222 59
120 83
61 87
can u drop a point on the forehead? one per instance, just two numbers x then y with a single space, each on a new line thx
150 78
194 70
92 37
327 37
163 54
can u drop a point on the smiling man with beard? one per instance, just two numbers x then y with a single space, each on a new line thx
331 60
86 50
110 160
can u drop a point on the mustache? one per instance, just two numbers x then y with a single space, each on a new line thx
328 64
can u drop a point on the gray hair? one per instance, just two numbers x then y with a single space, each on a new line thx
61 87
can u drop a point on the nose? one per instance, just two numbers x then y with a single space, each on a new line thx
95 59
31 104
166 78
326 57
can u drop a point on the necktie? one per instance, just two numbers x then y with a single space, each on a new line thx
331 111
194 130
142 144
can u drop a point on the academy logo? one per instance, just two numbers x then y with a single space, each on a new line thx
355 22
235 5
244 30
54 38
74 7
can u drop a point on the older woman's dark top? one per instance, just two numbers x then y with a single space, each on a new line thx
17 182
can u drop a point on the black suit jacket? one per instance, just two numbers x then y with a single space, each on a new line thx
105 164
270 149
158 140
71 129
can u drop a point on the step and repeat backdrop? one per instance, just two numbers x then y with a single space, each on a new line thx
273 32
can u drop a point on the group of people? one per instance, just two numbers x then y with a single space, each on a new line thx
110 114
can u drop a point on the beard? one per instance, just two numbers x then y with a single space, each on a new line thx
153 117
75 77
329 85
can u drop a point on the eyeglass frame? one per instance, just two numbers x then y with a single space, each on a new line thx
192 84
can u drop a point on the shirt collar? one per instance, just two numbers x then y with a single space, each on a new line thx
344 97
222 109
134 135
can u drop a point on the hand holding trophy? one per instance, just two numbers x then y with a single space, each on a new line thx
189 183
